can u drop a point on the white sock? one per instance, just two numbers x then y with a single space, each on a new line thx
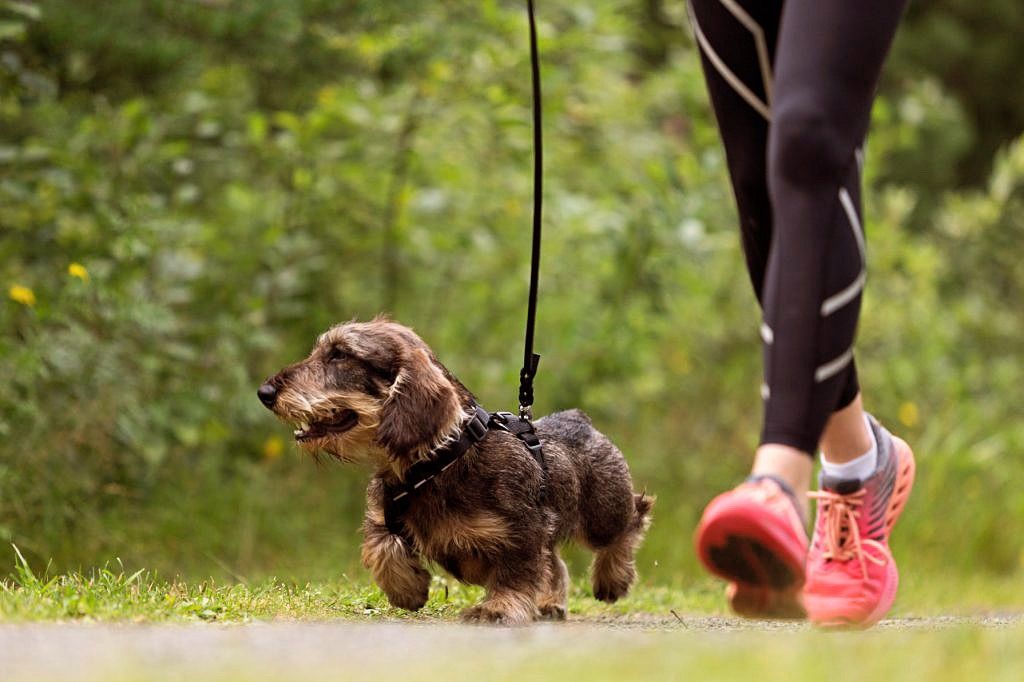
860 468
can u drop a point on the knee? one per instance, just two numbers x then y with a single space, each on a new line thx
805 144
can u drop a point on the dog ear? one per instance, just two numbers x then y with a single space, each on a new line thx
420 409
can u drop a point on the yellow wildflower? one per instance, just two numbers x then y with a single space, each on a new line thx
273 447
78 270
908 414
22 295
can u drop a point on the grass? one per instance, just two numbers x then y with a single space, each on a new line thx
299 648
115 594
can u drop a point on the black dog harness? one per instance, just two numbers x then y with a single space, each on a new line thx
398 496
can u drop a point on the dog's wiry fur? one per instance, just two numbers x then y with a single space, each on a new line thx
374 392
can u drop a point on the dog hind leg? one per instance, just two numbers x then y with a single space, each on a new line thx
614 569
511 597
503 606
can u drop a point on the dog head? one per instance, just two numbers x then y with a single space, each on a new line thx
368 390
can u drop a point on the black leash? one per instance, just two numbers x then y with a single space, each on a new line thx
531 359
398 496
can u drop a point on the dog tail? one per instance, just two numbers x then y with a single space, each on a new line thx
643 503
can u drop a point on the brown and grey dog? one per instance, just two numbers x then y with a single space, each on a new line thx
374 392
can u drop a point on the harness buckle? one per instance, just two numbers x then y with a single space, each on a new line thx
476 428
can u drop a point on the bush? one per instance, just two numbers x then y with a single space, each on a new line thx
182 215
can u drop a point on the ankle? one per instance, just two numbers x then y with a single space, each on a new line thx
860 467
847 435
792 466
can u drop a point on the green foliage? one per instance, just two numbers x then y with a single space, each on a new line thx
972 48
191 191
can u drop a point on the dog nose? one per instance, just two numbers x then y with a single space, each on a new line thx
267 394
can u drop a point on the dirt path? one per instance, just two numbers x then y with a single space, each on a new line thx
379 651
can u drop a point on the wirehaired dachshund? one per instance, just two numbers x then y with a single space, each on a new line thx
373 392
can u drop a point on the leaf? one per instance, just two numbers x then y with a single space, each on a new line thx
12 30
26 9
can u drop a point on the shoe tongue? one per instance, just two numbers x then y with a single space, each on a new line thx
843 486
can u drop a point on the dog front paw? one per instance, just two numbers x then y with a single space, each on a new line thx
408 589
408 600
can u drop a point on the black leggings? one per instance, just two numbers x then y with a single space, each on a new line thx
792 84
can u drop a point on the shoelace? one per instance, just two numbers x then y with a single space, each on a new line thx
841 532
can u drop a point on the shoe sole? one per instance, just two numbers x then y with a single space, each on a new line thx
735 544
900 495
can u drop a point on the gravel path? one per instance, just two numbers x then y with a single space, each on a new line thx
377 651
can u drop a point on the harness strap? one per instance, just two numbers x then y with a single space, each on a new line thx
523 430
398 496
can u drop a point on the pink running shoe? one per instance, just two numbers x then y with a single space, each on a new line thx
851 574
753 536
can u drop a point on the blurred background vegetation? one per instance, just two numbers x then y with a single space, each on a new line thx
191 190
